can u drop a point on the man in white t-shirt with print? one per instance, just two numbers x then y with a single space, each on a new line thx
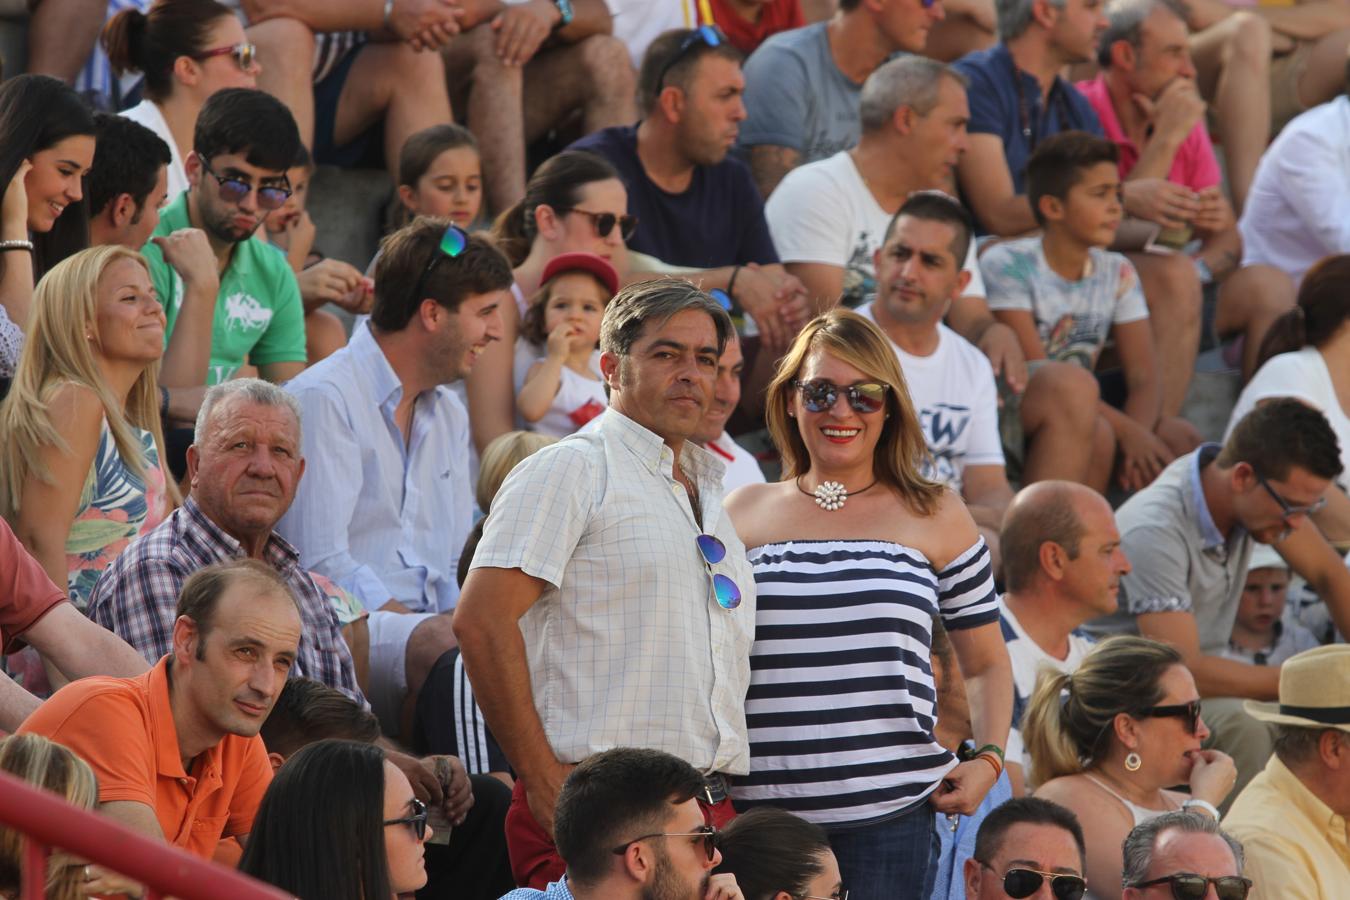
1062 564
950 382
828 218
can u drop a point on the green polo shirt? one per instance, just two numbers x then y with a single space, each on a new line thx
259 316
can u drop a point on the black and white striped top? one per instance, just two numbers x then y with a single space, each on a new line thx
841 705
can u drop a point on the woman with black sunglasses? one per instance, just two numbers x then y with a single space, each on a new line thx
854 551
339 822
1109 739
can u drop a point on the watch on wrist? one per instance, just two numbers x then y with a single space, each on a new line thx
565 11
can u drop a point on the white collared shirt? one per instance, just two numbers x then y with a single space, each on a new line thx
627 647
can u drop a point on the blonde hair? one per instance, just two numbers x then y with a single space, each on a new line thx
51 767
900 452
1067 726
56 352
502 455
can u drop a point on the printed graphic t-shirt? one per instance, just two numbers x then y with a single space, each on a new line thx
259 317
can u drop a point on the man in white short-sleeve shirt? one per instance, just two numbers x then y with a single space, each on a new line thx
1062 564
829 218
591 617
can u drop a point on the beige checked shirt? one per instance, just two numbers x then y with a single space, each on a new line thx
628 646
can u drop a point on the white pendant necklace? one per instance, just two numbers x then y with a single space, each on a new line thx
831 495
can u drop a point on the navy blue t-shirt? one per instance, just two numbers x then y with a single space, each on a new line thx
718 221
995 107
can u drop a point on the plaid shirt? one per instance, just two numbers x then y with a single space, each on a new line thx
137 596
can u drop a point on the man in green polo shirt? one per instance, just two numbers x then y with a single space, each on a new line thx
242 145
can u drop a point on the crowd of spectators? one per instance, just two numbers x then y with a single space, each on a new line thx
753 465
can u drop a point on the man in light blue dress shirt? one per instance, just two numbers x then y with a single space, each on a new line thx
387 500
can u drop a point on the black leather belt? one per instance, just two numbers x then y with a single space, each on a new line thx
715 789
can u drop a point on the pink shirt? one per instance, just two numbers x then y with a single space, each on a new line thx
1194 165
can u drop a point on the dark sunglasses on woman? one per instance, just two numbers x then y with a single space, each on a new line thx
604 222
1188 711
417 821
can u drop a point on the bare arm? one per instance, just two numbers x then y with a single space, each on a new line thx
139 817
987 494
769 163
824 283
988 185
589 17
1134 343
487 626
48 507
16 285
1023 324
78 647
188 354
16 704
1214 675
280 372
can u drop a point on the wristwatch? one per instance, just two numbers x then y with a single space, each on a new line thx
565 10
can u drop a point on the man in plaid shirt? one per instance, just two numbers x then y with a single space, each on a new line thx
244 466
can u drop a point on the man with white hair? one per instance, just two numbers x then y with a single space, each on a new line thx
244 465
1291 817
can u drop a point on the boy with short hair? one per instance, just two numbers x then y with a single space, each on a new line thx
1062 292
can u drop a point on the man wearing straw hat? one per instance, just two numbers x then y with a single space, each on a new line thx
1291 817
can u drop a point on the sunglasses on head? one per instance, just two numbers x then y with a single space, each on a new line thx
714 551
1019 883
1188 711
418 820
604 222
453 241
1189 886
244 54
707 832
706 35
234 189
1287 509
820 395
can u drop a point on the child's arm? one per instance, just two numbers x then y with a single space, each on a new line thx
1138 361
1023 324
541 386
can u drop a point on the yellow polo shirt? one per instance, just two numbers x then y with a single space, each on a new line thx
1297 848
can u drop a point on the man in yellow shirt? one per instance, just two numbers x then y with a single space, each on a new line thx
1291 817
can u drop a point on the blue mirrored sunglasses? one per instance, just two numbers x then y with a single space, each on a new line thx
724 589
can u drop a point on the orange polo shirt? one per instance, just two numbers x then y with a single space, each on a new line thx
123 727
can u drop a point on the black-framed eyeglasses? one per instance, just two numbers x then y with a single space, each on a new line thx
453 241
1189 886
604 222
1188 711
707 35
820 395
1020 882
707 832
234 189
1287 509
713 552
245 54
418 820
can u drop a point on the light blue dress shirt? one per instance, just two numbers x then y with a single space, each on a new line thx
383 519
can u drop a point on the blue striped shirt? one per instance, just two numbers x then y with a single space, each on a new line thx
841 706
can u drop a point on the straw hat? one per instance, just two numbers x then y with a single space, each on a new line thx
1314 690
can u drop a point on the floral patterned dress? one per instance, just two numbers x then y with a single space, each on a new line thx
115 508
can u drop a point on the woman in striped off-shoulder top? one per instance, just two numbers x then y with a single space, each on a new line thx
853 553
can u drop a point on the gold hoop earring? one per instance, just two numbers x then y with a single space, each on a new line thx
1133 761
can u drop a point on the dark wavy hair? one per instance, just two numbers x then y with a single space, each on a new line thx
36 113
318 833
151 42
